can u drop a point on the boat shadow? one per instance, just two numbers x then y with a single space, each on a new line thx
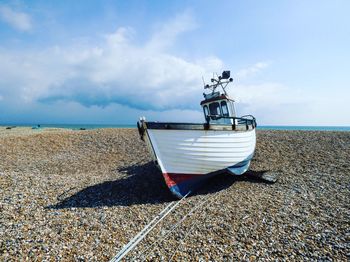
225 180
142 184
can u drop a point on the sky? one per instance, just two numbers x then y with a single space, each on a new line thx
110 62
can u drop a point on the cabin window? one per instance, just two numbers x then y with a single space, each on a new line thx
224 108
214 108
206 112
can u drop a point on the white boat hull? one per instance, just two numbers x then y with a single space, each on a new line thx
200 152
190 155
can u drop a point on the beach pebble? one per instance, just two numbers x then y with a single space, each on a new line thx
82 195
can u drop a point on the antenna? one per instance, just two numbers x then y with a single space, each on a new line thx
222 81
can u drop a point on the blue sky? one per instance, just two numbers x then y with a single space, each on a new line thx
109 62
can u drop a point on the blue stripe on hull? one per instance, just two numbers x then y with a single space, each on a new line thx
239 170
241 167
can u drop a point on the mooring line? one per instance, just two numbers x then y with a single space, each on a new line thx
187 233
182 241
169 231
143 233
208 201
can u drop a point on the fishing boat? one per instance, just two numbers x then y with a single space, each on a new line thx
189 153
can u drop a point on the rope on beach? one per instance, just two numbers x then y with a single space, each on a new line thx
143 233
152 247
208 200
189 231
182 240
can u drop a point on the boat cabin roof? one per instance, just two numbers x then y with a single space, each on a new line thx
216 98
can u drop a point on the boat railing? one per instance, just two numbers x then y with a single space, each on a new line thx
243 120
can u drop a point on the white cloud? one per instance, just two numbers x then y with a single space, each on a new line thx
119 75
114 71
265 94
19 20
249 71
275 103
166 33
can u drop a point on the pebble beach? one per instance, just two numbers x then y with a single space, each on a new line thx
71 195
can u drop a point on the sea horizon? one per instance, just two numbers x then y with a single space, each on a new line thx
96 126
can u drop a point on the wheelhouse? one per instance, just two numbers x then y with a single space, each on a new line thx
218 109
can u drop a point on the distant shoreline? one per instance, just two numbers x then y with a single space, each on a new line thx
97 126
